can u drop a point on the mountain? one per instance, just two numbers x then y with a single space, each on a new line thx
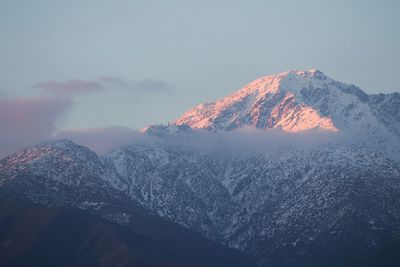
64 174
254 171
296 101
278 207
274 101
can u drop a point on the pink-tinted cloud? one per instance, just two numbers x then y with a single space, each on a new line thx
27 121
70 87
101 140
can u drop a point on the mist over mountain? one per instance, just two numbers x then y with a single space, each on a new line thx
294 169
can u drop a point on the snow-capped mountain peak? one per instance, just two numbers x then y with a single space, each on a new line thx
273 101
301 100
61 160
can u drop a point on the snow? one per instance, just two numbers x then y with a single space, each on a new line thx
251 104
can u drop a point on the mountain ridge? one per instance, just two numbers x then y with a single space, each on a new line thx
282 204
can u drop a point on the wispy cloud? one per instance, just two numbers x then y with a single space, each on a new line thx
151 85
69 87
74 87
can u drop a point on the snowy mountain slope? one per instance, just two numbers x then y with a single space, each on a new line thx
295 101
263 202
64 174
293 203
387 109
176 183
261 205
59 160
286 202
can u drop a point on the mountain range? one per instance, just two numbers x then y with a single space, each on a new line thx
294 169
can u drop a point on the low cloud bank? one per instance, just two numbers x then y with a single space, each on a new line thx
246 141
70 87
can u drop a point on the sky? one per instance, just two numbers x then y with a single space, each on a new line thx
100 65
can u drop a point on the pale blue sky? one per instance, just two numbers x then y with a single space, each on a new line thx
172 55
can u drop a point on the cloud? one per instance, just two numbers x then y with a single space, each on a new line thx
69 87
100 140
145 86
151 85
74 87
27 121
246 141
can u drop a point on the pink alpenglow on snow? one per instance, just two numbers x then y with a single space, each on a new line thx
274 101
